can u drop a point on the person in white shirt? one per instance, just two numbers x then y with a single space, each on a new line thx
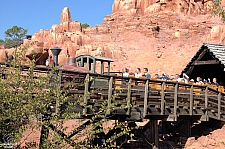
199 81
125 72
138 73
184 78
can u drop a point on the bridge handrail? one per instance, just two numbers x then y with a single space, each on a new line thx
217 99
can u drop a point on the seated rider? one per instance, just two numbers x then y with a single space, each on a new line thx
125 72
146 74
138 73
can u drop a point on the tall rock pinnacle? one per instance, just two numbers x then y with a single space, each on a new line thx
65 15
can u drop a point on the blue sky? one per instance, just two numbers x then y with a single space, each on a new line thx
42 14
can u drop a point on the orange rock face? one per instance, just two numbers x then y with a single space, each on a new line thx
145 7
161 35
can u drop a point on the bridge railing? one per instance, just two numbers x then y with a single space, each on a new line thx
168 97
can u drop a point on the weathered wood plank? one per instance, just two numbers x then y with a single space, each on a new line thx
86 92
206 103
175 101
208 62
129 96
191 101
146 98
110 94
219 105
162 99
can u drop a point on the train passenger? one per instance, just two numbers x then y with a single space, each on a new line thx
164 76
215 82
138 73
157 76
146 74
199 81
125 72
49 61
184 78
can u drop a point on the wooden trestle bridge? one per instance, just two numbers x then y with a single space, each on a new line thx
149 99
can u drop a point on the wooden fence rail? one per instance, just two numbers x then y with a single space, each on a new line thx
149 98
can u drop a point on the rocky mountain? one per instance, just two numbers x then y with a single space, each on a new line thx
162 35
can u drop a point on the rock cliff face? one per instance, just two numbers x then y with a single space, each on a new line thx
145 7
162 35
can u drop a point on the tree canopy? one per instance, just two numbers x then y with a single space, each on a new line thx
217 10
85 25
13 36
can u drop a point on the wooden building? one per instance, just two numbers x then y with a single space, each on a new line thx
208 62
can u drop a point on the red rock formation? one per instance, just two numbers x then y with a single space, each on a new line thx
65 17
145 7
214 140
161 35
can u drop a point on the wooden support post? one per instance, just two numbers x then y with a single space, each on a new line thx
187 127
145 99
175 102
86 93
129 96
110 94
82 62
191 101
102 67
162 99
94 62
108 68
219 105
206 103
88 61
165 127
154 133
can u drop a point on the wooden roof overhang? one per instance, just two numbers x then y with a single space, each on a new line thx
85 58
208 62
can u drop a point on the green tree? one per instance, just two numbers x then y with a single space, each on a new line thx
1 41
217 10
85 25
13 36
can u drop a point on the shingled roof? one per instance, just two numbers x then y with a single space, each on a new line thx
209 61
216 50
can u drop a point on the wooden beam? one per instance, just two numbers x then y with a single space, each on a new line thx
219 105
86 92
129 96
191 101
199 57
154 133
187 127
175 101
110 95
202 54
108 68
162 99
145 99
206 103
208 62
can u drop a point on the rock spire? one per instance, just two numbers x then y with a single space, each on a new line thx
65 15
